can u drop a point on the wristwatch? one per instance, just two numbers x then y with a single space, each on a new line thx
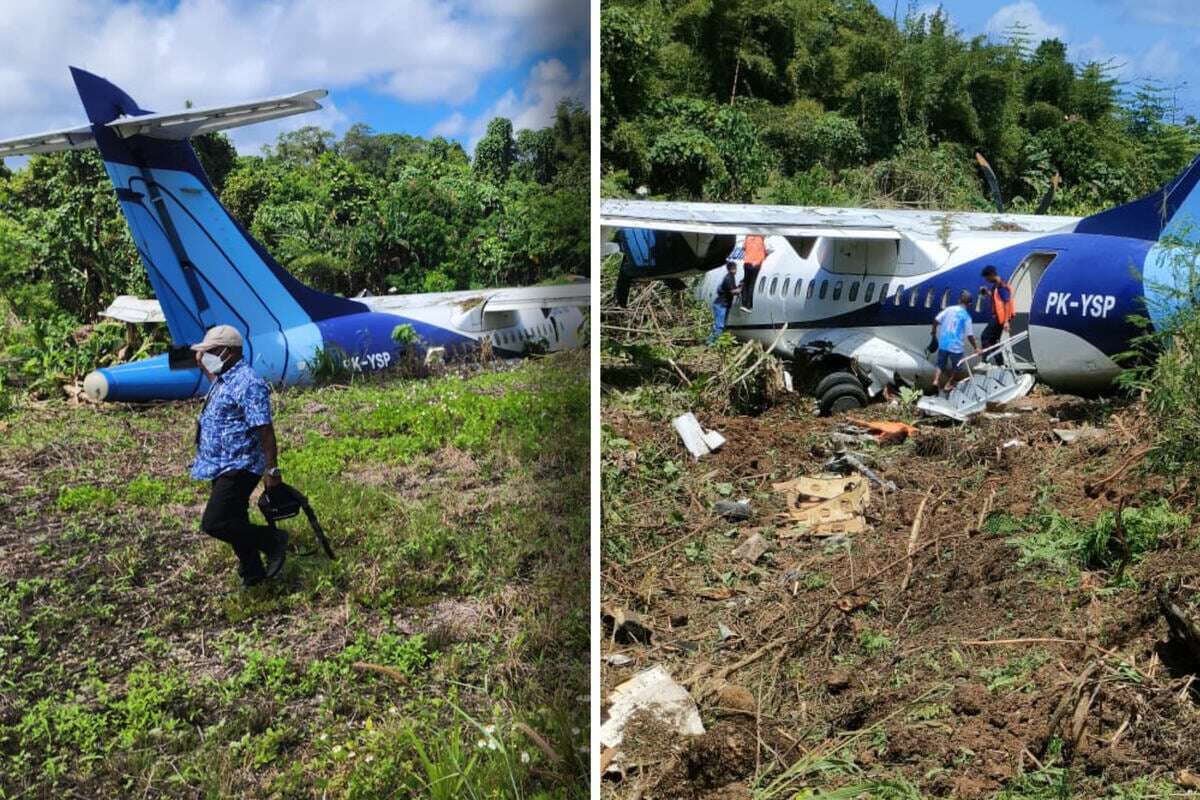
274 472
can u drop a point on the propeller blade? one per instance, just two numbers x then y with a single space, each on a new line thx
993 184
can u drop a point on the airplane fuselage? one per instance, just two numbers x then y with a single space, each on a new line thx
1074 294
364 342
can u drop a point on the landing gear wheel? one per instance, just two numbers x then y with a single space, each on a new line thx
833 379
842 397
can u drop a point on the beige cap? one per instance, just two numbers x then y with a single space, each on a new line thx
220 336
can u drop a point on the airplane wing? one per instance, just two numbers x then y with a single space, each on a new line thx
495 301
844 223
175 126
128 308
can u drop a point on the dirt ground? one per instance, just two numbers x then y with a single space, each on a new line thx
984 676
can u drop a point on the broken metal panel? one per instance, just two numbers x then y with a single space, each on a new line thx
697 440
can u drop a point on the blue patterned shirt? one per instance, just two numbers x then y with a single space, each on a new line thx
238 403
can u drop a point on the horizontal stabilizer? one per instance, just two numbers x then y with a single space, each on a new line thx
175 126
49 142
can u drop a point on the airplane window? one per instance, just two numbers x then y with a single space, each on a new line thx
978 303
945 298
853 292
896 296
762 282
812 285
786 284
912 297
799 286
929 297
883 292
837 290
824 289
870 292
774 285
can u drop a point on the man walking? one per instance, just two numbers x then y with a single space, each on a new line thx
1004 308
235 447
723 300
951 327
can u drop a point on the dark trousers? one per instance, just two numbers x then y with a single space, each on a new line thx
991 336
749 277
227 517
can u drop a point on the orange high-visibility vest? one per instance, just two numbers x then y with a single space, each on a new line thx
755 251
1004 310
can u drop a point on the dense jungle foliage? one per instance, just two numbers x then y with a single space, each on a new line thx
367 212
830 102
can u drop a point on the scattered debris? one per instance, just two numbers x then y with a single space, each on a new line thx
752 549
849 462
678 619
435 355
826 505
655 692
1187 779
1072 435
733 510
715 593
1012 443
618 660
699 442
1182 627
627 626
887 431
724 632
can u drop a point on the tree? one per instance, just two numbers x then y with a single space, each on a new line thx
217 155
496 151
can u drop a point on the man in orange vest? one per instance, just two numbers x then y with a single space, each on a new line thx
754 253
1004 308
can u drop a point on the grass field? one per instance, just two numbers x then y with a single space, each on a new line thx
444 653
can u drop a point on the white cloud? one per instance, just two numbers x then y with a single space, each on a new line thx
220 51
550 82
453 125
1162 60
1024 14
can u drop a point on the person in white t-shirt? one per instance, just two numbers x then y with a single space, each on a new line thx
951 328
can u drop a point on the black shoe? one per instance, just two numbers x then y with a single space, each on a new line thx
249 581
277 554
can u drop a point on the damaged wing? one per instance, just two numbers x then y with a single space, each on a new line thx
846 223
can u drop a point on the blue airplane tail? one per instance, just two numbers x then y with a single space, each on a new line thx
206 269
1152 216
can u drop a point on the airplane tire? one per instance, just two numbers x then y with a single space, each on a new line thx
834 379
842 397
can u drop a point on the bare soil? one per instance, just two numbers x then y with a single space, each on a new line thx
979 672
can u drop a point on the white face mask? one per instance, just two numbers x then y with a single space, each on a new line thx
212 363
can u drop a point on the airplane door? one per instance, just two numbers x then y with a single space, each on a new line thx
1024 282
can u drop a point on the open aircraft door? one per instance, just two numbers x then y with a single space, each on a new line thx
1024 282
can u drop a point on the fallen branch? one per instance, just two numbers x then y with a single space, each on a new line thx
1093 489
912 539
725 672
537 739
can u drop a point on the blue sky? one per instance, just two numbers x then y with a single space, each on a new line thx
1156 39
423 67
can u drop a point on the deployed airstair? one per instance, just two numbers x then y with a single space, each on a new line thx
989 382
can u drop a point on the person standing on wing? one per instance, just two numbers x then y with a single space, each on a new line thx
724 299
1004 308
951 327
235 448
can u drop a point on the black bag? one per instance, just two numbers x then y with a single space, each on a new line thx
285 502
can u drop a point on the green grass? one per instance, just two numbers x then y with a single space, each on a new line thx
131 664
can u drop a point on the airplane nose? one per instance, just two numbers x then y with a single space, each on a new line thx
95 386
